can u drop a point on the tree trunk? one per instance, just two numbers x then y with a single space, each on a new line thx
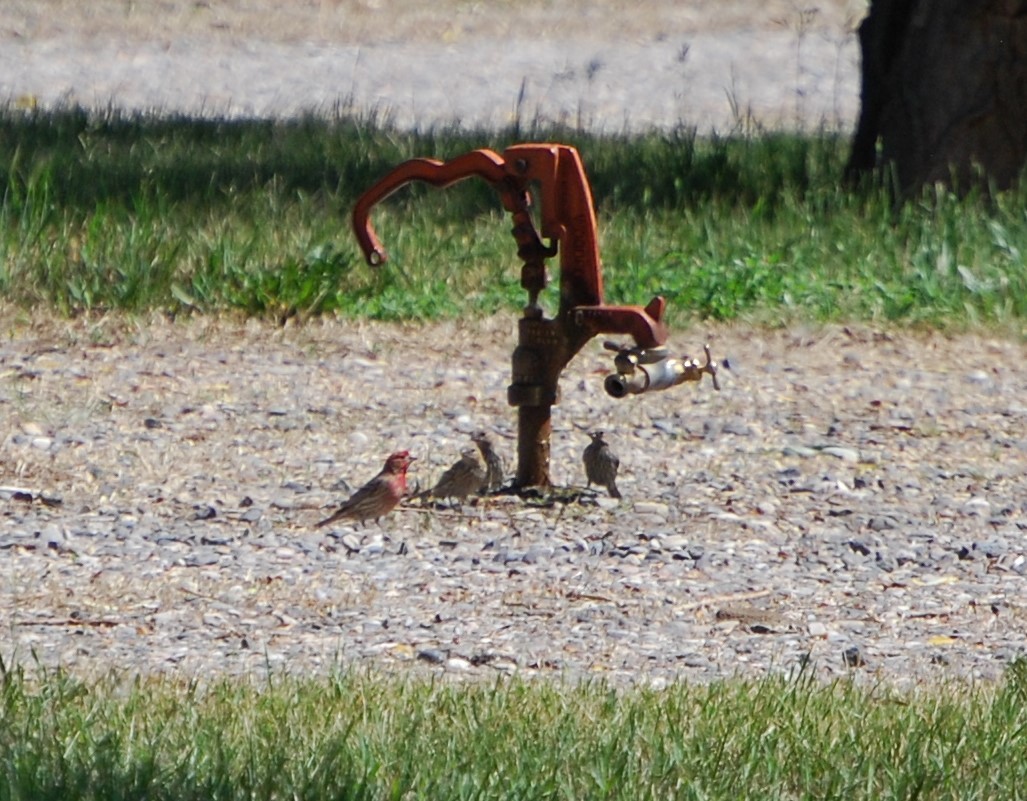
944 95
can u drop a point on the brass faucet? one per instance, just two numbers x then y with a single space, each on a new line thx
646 369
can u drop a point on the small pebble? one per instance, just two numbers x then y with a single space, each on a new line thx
852 657
432 656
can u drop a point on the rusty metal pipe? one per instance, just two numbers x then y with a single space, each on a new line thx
534 430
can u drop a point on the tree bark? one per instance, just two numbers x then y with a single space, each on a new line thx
944 93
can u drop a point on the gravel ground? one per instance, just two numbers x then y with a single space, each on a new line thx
850 499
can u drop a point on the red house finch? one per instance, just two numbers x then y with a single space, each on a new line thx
601 464
493 461
461 479
378 496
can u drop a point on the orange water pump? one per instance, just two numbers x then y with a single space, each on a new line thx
567 226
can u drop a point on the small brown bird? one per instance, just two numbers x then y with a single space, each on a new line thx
464 477
601 464
378 496
493 461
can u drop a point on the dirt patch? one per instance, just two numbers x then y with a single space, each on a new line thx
377 21
607 66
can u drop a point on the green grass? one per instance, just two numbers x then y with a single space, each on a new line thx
140 212
359 736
